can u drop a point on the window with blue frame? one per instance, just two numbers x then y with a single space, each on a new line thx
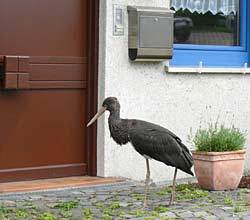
214 32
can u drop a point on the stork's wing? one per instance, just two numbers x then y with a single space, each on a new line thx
160 144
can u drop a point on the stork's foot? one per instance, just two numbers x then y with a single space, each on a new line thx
172 199
150 182
145 203
145 206
170 204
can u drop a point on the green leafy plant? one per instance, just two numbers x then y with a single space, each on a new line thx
164 191
21 214
161 209
114 205
228 201
138 213
137 196
184 192
66 206
189 191
106 217
47 216
4 213
219 138
87 214
238 208
153 215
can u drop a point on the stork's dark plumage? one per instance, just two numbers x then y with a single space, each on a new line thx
148 139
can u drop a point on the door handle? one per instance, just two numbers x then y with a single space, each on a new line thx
15 72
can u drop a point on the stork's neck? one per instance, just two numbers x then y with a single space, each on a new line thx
114 115
118 127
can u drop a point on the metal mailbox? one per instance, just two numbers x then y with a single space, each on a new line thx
150 33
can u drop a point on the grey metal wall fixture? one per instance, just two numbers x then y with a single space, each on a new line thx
150 33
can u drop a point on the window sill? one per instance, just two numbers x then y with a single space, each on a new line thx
209 70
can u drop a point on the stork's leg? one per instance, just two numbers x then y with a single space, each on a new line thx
172 198
146 184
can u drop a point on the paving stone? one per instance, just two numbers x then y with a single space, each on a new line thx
227 208
77 214
41 205
52 204
77 193
246 217
200 208
219 212
9 203
140 218
127 216
51 199
168 214
201 214
186 214
36 197
230 218
210 217
124 204
85 203
103 197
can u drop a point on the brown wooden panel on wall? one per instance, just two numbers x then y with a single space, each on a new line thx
23 72
44 28
57 60
44 101
42 172
58 85
46 125
58 72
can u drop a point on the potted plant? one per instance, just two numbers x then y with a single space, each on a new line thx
219 157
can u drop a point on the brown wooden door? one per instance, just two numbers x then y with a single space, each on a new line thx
43 104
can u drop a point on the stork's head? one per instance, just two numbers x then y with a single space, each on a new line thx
110 104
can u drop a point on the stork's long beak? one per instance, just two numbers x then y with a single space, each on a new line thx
97 115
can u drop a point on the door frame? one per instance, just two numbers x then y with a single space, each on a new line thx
92 90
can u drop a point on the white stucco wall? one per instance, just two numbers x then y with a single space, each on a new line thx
176 101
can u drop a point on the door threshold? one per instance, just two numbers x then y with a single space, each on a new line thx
56 183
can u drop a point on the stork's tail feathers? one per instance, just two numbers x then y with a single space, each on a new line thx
188 160
189 172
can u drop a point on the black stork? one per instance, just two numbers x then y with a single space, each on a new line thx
150 140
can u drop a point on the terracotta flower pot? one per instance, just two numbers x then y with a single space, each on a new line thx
219 170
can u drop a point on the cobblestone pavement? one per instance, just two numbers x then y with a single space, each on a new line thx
125 201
